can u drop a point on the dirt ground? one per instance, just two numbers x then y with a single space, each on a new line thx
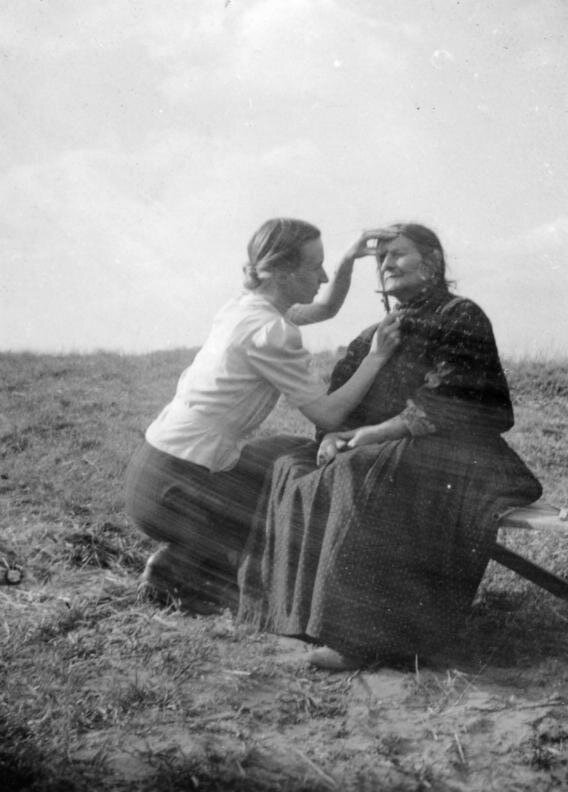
161 700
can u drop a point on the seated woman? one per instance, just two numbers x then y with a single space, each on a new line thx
195 481
378 552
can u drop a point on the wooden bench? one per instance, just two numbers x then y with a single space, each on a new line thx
537 515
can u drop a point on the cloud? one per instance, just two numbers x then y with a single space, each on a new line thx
144 141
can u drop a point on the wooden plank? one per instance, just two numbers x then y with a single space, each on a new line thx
540 515
537 515
527 569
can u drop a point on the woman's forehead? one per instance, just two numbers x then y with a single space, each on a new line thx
400 242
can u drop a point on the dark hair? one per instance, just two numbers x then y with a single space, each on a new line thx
427 244
277 245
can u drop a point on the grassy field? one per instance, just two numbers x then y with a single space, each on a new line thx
101 690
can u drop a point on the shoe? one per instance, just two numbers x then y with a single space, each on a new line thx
161 574
170 578
330 660
167 582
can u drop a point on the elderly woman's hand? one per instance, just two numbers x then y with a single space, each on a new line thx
394 428
386 337
365 436
330 446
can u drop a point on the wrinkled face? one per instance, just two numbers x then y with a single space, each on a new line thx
303 284
401 268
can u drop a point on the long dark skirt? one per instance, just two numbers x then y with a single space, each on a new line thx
379 553
204 516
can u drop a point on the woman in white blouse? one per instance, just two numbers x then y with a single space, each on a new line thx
195 481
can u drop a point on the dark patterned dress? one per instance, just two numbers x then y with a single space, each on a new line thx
379 553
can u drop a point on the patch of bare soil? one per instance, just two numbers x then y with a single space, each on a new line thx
381 730
138 698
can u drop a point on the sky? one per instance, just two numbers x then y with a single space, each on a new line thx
142 143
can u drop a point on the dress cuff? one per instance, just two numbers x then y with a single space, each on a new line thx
416 420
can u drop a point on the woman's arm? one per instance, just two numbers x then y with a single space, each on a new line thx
464 392
334 294
330 302
330 411
393 429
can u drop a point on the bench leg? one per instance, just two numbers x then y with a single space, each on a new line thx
522 566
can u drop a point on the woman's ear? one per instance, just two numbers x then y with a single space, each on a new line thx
430 265
281 276
425 270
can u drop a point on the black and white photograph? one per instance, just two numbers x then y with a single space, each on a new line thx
284 395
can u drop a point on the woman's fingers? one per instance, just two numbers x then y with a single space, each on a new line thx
390 319
356 440
387 335
325 455
366 245
329 448
363 436
369 240
326 451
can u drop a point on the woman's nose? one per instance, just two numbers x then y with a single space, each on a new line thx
323 276
386 262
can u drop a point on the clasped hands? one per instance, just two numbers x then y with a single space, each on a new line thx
334 442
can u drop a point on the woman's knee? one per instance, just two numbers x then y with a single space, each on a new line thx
259 456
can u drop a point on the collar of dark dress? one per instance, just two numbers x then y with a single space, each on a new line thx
428 298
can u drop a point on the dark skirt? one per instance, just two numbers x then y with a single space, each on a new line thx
206 515
379 554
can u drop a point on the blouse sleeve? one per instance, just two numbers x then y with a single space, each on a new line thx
465 389
276 353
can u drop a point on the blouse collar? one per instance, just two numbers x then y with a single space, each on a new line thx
428 297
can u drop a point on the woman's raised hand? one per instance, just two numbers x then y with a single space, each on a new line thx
366 245
386 337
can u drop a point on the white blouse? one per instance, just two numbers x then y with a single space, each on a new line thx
251 357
